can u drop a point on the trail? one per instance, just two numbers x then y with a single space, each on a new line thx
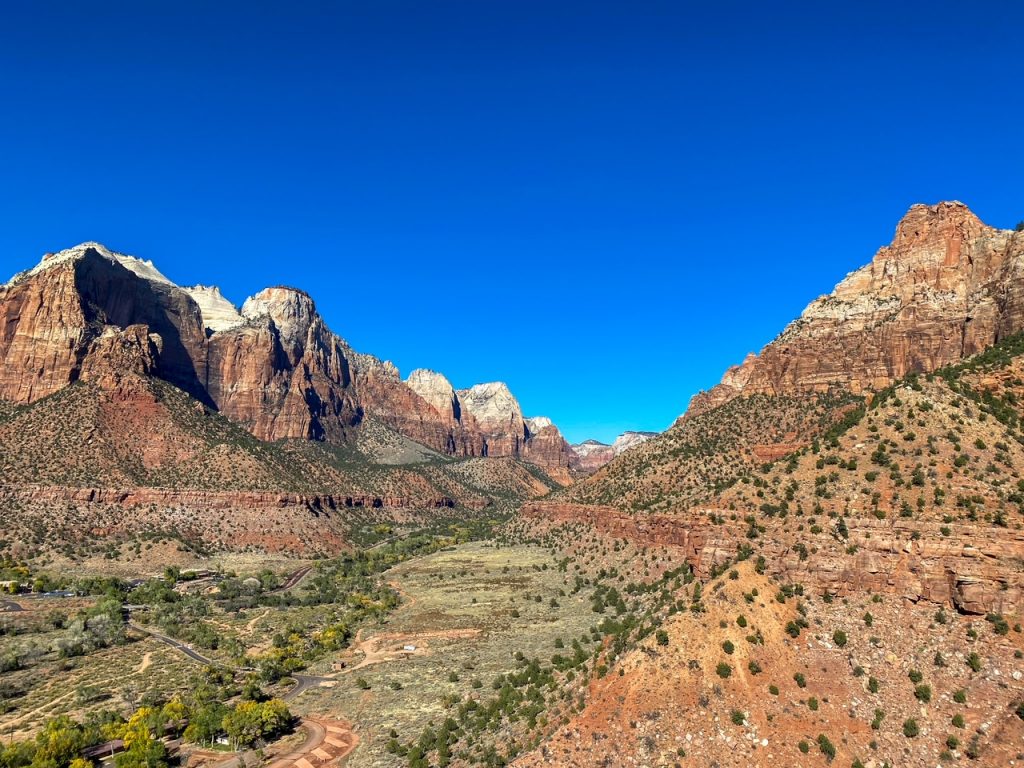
252 623
147 660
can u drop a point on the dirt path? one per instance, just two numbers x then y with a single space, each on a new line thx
147 660
253 622
397 586
374 654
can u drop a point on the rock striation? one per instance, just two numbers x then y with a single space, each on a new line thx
970 570
947 287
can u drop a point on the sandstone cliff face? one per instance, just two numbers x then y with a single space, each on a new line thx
591 455
498 415
52 314
274 366
947 287
282 373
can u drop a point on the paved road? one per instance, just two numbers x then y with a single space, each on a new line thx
293 581
303 683
9 606
178 646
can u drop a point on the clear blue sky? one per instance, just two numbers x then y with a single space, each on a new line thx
603 204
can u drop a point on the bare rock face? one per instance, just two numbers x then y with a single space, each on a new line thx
51 315
437 391
498 415
946 288
218 313
283 374
592 455
118 355
274 366
628 440
547 448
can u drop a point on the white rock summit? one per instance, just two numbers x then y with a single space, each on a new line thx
219 314
436 390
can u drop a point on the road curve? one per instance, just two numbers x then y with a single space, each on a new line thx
302 683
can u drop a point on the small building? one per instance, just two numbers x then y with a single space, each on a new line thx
409 648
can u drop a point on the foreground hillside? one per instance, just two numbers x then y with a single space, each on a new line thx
746 674
698 456
852 505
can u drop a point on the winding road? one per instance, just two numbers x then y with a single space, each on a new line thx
326 740
302 682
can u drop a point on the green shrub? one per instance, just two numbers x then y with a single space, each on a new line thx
827 748
910 728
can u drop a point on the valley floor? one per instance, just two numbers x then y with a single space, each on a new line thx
466 613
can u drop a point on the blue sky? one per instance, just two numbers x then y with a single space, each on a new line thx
603 204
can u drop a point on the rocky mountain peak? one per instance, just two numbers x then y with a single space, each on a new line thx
436 390
943 221
536 423
492 404
219 314
292 311
947 287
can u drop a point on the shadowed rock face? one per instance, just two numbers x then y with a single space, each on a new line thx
274 366
947 287
48 321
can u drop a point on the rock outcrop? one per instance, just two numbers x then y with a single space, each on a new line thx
948 286
274 366
498 415
218 313
628 440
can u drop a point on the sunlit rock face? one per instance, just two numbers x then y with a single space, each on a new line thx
947 287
